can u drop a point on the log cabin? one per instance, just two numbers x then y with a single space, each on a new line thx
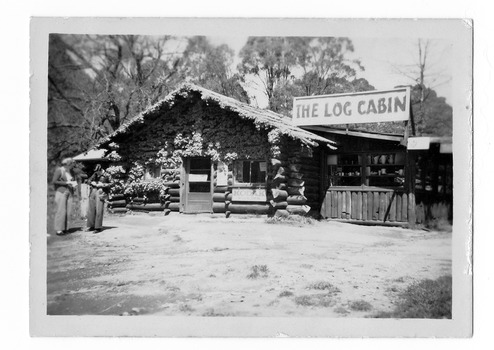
202 152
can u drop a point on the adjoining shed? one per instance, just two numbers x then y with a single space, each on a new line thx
199 151
384 178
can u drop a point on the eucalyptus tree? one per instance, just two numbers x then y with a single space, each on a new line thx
301 66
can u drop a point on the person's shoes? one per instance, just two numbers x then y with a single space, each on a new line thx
89 229
60 233
98 230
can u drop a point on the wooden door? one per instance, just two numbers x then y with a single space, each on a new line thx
198 189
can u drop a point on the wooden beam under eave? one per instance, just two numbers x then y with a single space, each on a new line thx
355 133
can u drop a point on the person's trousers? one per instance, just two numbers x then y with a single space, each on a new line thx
63 203
95 210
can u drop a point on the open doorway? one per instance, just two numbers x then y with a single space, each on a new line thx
198 188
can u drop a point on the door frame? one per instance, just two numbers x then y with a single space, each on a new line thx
184 185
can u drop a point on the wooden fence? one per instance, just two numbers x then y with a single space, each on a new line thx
368 204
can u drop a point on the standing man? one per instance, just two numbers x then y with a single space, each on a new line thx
64 183
97 196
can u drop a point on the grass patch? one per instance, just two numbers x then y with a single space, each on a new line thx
258 271
293 220
423 299
320 300
285 293
360 305
322 285
211 313
341 310
439 224
185 308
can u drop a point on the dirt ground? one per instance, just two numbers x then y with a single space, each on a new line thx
204 265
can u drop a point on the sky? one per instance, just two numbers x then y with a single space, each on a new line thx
379 57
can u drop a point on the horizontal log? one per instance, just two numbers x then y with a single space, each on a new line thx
138 200
295 183
146 200
298 209
147 206
118 210
279 194
283 213
296 199
117 203
282 171
172 184
174 206
174 199
114 206
220 189
219 197
294 167
276 162
296 191
279 205
174 192
248 208
281 186
279 178
294 175
219 207
116 197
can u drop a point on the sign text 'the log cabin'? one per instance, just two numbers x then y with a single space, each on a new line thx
360 107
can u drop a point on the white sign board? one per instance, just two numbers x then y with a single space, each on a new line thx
249 194
418 143
360 107
198 177
222 175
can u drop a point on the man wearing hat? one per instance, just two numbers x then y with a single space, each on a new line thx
98 195
64 183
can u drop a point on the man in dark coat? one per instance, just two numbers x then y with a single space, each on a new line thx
97 196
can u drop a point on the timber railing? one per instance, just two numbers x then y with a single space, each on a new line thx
366 203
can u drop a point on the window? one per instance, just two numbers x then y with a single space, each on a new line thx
152 171
249 172
382 169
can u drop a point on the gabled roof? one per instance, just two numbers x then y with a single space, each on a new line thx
262 117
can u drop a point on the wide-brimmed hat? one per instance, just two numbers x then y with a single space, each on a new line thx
67 161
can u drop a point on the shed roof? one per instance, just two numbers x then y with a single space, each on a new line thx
263 117
91 155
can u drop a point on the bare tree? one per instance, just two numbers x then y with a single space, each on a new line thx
426 73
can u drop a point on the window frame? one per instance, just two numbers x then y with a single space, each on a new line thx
250 184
